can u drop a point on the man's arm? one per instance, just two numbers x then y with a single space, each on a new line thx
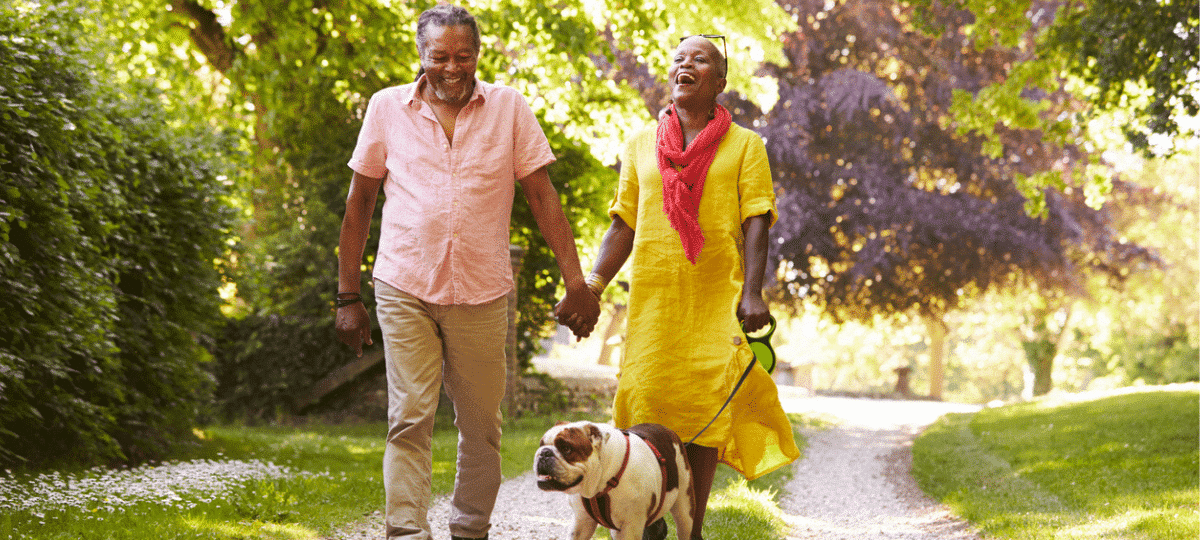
353 322
579 309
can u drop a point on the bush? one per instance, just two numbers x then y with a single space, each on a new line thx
111 218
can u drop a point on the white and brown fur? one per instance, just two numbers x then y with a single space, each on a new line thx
580 458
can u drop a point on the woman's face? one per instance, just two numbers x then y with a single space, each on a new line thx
695 75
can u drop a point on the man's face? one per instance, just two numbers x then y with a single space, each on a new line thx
449 60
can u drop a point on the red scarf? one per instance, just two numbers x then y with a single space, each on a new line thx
683 173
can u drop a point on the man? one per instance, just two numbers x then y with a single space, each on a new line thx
447 151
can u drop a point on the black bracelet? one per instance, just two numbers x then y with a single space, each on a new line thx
343 302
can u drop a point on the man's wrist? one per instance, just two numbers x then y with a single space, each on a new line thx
344 299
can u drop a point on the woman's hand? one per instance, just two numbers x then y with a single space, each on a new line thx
753 313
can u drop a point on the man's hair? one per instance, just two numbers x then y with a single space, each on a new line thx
444 15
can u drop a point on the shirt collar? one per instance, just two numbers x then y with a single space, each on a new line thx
413 98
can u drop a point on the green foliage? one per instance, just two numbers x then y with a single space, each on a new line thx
1072 62
1117 467
111 218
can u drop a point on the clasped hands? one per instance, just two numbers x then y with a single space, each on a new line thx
578 310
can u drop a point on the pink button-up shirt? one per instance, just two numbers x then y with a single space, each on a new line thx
446 215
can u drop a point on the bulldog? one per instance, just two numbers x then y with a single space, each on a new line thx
625 480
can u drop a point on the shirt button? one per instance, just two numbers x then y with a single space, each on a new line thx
737 340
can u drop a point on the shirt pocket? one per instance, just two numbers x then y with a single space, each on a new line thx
492 158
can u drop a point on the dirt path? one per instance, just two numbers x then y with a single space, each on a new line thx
853 482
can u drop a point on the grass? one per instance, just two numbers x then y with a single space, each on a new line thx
294 482
297 482
1125 466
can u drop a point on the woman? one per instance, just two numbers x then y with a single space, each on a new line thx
693 206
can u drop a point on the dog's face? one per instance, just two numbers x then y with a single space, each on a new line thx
566 454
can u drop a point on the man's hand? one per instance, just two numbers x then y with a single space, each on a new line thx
354 326
753 312
579 310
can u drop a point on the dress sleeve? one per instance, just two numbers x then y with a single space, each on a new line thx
625 202
370 154
755 188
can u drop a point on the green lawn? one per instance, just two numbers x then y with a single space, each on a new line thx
1125 466
297 482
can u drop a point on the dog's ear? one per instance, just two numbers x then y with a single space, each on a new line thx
595 433
560 423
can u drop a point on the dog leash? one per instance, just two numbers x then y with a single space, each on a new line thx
727 400
761 340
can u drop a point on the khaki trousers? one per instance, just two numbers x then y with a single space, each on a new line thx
427 345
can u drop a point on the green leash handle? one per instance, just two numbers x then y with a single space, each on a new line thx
761 345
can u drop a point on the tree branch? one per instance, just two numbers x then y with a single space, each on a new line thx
208 35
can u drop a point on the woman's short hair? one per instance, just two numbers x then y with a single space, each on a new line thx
444 15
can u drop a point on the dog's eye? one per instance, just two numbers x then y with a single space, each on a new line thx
564 448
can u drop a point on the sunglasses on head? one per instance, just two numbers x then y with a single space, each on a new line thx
724 50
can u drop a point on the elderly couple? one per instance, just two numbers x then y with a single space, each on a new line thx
692 206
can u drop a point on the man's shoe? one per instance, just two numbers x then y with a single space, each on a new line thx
656 530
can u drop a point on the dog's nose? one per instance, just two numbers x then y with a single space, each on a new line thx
545 461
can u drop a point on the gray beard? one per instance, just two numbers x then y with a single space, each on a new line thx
443 95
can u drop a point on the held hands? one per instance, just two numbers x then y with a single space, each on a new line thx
579 310
753 313
354 326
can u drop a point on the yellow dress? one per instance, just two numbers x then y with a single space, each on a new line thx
685 350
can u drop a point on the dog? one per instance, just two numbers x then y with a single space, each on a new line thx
624 480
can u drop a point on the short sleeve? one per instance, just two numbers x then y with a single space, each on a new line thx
625 202
756 192
370 153
531 149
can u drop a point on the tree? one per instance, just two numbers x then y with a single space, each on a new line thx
1136 57
296 77
111 215
885 208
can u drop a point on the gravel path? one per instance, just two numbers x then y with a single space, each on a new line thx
853 482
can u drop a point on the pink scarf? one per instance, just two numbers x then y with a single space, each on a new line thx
683 173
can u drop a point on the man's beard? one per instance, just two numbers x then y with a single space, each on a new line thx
451 96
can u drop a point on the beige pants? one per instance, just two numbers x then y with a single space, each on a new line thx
426 345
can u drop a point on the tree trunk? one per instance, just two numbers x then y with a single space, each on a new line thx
1042 346
936 325
610 332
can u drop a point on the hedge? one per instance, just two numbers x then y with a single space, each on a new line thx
112 215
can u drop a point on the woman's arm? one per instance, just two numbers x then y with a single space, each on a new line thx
752 310
614 251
